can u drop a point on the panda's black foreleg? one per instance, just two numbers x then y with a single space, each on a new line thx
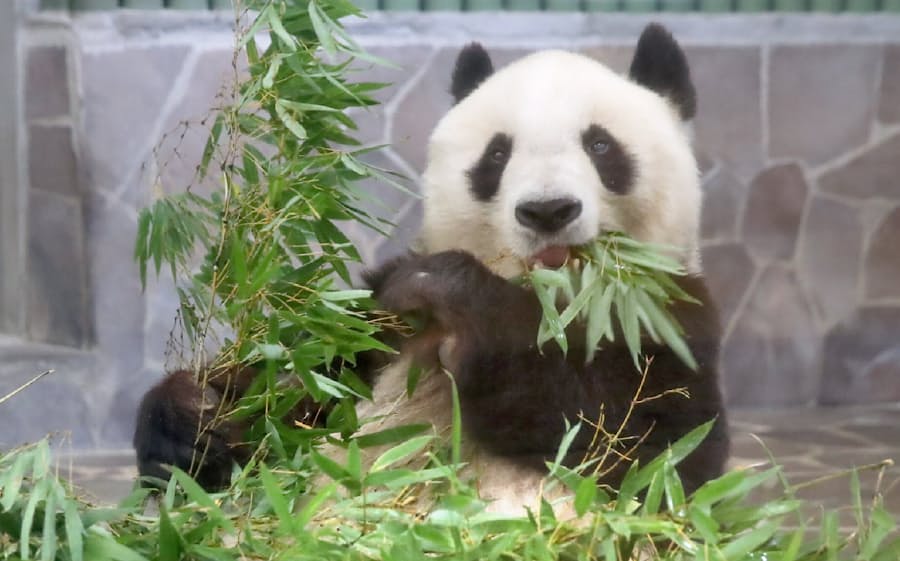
517 398
177 425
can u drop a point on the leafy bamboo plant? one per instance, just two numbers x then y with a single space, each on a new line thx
271 258
614 272
273 255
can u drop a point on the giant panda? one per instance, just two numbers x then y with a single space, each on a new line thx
532 160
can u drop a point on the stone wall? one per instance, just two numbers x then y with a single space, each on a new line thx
798 136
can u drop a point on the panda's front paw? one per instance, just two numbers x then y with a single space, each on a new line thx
443 285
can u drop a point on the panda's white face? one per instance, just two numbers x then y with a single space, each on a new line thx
550 152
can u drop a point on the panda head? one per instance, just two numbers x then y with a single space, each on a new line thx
556 148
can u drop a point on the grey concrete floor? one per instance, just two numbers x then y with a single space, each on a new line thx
809 443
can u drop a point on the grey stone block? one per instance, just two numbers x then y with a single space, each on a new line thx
164 340
822 99
406 62
772 358
371 125
57 292
103 477
728 126
186 128
862 358
723 201
882 265
889 104
420 109
384 199
124 92
52 165
117 429
775 204
58 403
829 260
729 271
46 83
403 236
874 173
117 303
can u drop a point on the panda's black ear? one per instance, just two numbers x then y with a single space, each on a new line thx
660 64
473 66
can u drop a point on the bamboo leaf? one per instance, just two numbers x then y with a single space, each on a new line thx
169 540
394 434
13 479
455 424
100 547
564 445
354 462
269 79
668 330
277 499
49 543
323 33
747 542
74 531
209 150
196 493
279 30
312 507
330 468
400 452
292 124
628 320
599 323
585 496
38 494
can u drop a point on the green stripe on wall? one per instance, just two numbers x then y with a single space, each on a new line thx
142 4
188 4
443 5
94 4
640 6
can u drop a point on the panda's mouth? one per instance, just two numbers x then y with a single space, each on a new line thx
551 257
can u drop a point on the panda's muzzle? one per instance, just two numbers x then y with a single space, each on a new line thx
548 216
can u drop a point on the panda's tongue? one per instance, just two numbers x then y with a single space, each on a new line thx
552 257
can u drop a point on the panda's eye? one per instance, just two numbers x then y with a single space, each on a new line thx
600 147
498 156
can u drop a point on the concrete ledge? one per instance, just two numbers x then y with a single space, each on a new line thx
520 29
530 29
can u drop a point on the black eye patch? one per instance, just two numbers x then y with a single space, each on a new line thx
614 165
484 177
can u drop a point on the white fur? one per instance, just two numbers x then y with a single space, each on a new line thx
544 102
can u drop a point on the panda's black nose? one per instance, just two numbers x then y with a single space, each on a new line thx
548 216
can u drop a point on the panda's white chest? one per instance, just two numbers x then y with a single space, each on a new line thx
391 406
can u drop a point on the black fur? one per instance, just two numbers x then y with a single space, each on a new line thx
484 177
614 164
473 66
180 423
548 215
660 64
515 396
176 426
